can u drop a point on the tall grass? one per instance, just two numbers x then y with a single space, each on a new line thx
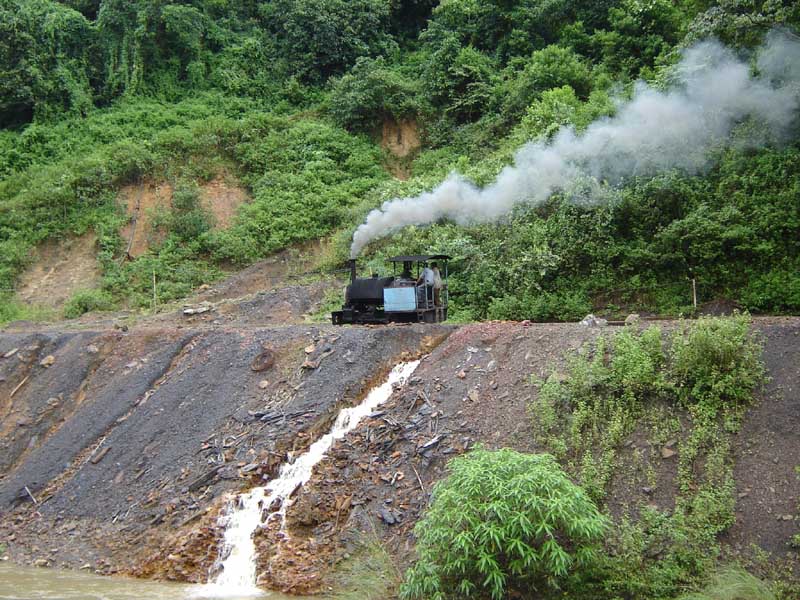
733 584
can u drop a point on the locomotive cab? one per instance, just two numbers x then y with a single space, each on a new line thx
399 298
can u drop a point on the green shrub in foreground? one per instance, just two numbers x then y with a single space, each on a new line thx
501 522
716 362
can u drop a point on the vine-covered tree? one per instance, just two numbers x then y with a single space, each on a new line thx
44 60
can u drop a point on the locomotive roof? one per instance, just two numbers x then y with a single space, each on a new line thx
418 258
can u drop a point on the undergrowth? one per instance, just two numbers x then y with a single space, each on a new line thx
733 584
700 379
369 573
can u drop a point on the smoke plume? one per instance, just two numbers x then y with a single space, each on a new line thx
712 91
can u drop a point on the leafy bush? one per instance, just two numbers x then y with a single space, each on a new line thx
500 523
637 361
188 219
371 92
548 68
84 301
542 306
715 362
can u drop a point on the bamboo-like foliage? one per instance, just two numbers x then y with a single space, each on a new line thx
503 521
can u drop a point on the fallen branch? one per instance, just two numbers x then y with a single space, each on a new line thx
16 389
419 479
31 495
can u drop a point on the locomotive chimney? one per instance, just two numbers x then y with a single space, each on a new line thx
352 262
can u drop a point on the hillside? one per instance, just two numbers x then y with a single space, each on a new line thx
315 129
130 442
182 183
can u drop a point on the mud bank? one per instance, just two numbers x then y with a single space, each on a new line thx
119 447
129 442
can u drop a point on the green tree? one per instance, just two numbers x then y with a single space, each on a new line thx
44 60
503 522
371 92
320 38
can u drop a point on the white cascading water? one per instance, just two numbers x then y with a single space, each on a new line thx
238 569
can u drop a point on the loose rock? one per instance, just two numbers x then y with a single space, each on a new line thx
667 452
632 319
387 516
591 321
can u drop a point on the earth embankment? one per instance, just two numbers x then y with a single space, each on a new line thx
477 388
116 441
129 442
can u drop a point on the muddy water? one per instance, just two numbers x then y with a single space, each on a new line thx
25 583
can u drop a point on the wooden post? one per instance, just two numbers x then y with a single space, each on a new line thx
694 293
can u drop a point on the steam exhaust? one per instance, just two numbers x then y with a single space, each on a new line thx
712 90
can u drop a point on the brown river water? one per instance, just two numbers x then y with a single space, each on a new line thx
28 583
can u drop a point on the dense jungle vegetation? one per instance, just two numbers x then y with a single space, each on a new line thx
290 96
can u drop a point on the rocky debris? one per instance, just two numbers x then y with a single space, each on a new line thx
312 364
388 465
92 349
263 384
591 321
263 361
632 319
199 309
100 455
667 452
319 350
388 516
47 361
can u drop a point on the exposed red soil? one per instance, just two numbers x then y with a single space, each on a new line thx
60 268
141 202
401 141
221 197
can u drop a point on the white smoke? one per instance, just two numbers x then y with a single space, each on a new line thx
712 92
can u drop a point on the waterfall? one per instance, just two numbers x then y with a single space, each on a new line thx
245 515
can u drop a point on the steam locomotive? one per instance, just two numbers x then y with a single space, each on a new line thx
396 298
